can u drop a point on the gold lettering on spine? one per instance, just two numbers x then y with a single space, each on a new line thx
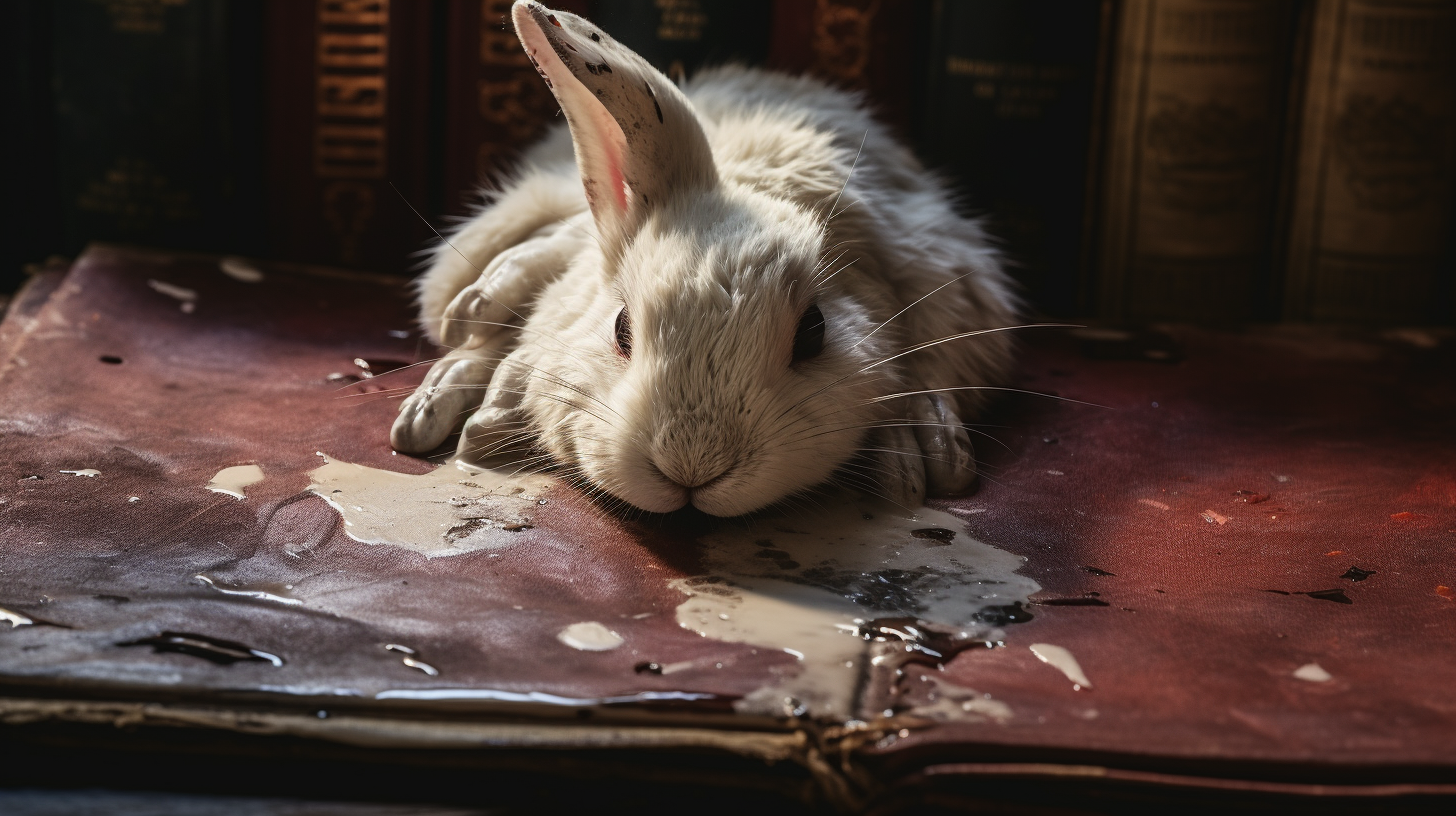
351 93
841 39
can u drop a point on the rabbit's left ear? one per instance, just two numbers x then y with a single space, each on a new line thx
638 141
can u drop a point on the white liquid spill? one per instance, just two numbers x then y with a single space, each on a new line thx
276 595
15 619
1314 673
802 583
234 481
948 701
1154 504
453 509
589 636
1063 661
239 269
497 696
422 666
133 499
172 290
87 472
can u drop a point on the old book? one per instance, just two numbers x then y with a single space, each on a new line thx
870 45
349 99
495 104
156 116
1370 223
1195 124
1010 115
680 36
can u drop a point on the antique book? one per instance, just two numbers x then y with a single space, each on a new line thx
1194 134
1010 114
349 98
1374 175
680 36
156 122
495 103
206 538
876 46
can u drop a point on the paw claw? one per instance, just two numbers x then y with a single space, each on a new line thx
454 385
950 459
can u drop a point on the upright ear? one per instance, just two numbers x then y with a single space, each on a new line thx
637 138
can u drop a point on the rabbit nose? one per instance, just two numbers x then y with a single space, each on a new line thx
693 477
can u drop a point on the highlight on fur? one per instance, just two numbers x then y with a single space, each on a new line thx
722 295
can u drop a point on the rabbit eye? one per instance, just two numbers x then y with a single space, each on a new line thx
624 334
809 337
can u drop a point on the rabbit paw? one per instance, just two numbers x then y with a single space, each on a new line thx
455 385
499 425
948 457
898 467
483 310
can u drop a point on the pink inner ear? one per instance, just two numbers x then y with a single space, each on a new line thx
601 145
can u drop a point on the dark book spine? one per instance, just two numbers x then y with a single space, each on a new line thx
1194 135
495 103
349 95
681 36
1010 114
875 46
155 105
1374 172
29 212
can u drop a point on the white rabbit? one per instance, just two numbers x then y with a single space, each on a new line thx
731 293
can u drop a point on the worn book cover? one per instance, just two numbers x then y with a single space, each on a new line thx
1194 137
1370 225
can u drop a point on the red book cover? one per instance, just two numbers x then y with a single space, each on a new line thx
348 91
871 45
495 104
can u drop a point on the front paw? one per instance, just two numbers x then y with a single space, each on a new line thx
454 386
949 458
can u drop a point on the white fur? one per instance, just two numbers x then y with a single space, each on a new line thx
716 214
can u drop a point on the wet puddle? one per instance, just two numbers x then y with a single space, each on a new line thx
451 510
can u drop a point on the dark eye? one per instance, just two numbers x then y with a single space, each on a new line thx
624 334
809 337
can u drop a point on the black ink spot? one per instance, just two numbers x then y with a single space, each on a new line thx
940 534
217 650
1002 615
1357 574
110 359
1085 600
596 37
1336 595
647 668
1096 571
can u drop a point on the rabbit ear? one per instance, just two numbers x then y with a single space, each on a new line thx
637 138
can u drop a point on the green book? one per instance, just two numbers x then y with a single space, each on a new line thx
157 122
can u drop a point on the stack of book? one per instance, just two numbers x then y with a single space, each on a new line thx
1141 160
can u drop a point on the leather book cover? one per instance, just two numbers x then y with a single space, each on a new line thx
156 115
1011 114
1194 138
1372 191
349 96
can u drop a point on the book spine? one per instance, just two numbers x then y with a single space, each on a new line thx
495 103
152 123
1370 226
1193 144
1010 114
875 46
349 108
680 36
